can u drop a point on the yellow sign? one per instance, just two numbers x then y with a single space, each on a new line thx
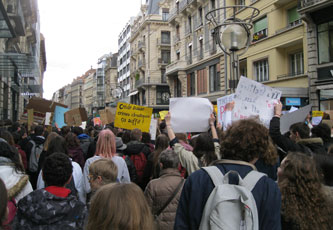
317 113
215 109
163 113
130 116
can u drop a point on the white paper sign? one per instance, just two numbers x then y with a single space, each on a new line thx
255 99
316 120
152 129
47 118
293 109
83 125
221 104
189 114
291 118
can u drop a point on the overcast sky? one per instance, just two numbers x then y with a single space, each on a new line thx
77 33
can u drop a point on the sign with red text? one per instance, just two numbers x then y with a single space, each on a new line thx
221 108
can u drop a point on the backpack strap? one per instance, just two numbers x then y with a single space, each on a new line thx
235 162
252 178
215 174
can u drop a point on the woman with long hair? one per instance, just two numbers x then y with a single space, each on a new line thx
119 207
106 148
304 204
74 149
43 155
162 143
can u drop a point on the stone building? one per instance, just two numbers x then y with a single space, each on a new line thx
112 91
88 91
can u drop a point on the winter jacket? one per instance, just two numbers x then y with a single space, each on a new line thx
76 154
198 187
136 147
77 177
23 156
42 210
85 141
130 166
308 146
187 159
123 175
158 192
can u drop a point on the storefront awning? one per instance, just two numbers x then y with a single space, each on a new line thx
133 93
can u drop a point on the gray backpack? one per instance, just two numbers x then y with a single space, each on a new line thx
231 206
36 150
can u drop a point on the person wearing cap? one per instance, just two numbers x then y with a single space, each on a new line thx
120 148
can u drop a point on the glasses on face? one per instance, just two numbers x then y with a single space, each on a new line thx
90 177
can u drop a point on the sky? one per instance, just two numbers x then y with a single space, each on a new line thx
77 33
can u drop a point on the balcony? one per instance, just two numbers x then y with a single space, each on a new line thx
163 42
145 82
134 53
142 46
162 62
175 67
303 4
289 75
141 64
173 14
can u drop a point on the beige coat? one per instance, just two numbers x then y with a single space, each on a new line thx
158 191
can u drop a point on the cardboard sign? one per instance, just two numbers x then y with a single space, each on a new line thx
48 118
30 118
129 116
75 117
163 113
255 99
59 116
190 114
221 104
291 118
317 116
153 128
97 121
107 115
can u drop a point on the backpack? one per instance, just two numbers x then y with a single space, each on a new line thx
139 161
231 206
36 150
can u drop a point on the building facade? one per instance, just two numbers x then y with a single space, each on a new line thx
112 90
150 54
22 56
88 91
319 20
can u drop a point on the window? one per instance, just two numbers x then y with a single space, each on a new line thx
325 42
293 17
260 29
213 42
200 48
296 63
190 84
240 3
190 54
260 70
163 76
165 14
162 95
178 54
200 22
165 37
177 33
165 56
212 5
214 78
189 20
202 81
177 88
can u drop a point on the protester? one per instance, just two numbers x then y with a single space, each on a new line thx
74 149
53 207
304 205
120 148
163 193
43 155
244 143
12 174
3 203
325 168
324 132
85 140
16 138
119 206
106 148
146 139
101 172
205 151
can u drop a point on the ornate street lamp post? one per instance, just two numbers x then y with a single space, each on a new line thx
233 34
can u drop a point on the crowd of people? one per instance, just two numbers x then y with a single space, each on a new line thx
245 177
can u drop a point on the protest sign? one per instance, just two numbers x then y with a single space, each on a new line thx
255 99
30 117
75 117
317 116
83 125
221 108
59 116
107 115
163 113
129 116
153 128
48 118
189 114
97 121
290 118
293 109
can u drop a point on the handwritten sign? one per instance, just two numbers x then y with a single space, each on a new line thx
163 113
48 118
107 115
153 128
255 99
97 121
75 117
129 116
317 116
221 108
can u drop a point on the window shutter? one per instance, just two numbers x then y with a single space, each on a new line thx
293 15
260 25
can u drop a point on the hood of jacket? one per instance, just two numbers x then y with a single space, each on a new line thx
136 147
316 144
83 136
38 140
43 208
74 151
14 181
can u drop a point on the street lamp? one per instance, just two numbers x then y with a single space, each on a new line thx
232 34
117 92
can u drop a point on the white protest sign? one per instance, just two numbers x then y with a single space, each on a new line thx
47 118
293 109
291 118
83 125
221 109
255 99
189 114
152 128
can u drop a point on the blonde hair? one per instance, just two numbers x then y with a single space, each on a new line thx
104 168
119 207
106 144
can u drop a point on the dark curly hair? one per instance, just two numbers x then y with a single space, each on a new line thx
204 148
71 140
303 201
247 140
12 154
57 169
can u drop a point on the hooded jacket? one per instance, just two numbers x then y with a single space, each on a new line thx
136 147
85 141
76 154
43 210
